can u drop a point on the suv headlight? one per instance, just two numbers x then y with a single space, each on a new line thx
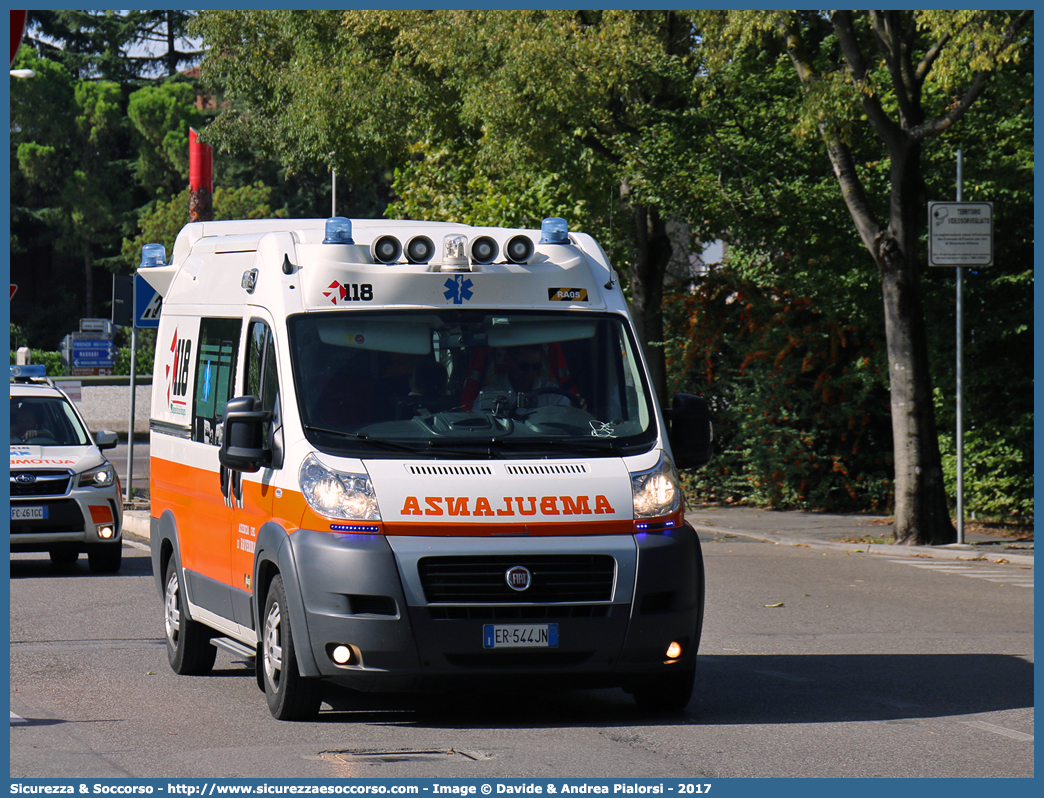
335 494
656 492
101 477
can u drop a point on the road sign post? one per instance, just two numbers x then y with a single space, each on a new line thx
960 234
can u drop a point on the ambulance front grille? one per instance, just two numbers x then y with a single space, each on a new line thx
524 613
482 579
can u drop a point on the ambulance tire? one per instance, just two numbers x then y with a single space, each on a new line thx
668 693
105 558
290 695
189 650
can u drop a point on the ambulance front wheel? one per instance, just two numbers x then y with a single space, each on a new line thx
189 651
290 695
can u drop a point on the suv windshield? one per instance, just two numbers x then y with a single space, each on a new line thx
493 383
45 421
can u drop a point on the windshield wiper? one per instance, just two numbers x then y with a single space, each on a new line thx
568 445
421 447
362 436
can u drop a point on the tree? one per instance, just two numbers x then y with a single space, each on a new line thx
514 93
161 116
162 34
67 147
161 222
898 71
114 45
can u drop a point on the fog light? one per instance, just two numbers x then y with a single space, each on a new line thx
105 532
342 655
674 650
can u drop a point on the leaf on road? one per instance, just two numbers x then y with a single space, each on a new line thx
775 605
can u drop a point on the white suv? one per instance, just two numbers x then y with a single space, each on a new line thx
65 495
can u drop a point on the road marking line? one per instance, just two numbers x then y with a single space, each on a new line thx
1013 577
1015 735
135 545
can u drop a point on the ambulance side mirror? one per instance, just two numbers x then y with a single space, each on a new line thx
690 430
243 443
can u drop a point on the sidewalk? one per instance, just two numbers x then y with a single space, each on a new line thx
786 528
824 530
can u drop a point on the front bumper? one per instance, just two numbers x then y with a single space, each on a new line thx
73 522
367 592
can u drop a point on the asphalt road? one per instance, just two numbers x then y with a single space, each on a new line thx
814 663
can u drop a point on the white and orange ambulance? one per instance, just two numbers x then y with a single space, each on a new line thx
406 455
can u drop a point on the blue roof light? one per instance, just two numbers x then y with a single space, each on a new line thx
338 231
25 372
153 255
554 230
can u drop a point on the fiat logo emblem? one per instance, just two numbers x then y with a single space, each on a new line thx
518 578
25 479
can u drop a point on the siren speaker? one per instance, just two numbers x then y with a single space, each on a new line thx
419 249
519 249
484 249
386 249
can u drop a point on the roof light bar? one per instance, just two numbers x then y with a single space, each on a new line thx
338 231
455 252
554 230
153 255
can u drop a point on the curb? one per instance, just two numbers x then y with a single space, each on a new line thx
952 551
137 522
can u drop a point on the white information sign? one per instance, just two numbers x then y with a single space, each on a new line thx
960 234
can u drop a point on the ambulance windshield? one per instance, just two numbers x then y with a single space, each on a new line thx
494 383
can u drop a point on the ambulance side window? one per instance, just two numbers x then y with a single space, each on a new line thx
262 375
215 376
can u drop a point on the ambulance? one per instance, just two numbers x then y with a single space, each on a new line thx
410 456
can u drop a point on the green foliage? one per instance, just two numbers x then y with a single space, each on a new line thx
52 360
161 222
101 44
68 158
797 397
162 116
998 472
142 362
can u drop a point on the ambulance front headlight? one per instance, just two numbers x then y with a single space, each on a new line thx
656 492
336 494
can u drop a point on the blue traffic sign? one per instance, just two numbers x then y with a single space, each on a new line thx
147 303
92 354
